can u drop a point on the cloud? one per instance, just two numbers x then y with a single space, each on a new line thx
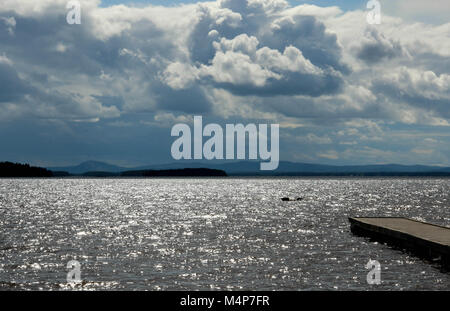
10 23
419 89
263 47
5 60
436 11
330 154
179 75
12 87
376 48
422 151
259 49
304 66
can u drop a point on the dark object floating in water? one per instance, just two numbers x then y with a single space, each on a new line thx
291 199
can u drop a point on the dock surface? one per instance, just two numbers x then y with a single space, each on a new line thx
427 240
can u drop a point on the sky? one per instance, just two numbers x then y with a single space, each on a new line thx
111 88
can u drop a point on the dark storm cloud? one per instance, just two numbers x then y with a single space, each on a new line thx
191 100
308 35
437 101
377 48
12 88
290 84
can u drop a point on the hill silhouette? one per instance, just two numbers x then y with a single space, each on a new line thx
90 166
9 169
240 168
252 168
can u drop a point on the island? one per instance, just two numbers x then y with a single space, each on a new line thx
9 169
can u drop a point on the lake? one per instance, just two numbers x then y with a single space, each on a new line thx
212 233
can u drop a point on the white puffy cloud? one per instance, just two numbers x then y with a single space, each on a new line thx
237 68
5 60
239 61
180 75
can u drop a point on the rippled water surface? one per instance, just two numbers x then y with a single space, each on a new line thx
201 234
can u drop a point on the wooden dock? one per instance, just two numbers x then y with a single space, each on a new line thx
423 239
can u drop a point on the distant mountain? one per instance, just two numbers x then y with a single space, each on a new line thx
89 166
253 168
